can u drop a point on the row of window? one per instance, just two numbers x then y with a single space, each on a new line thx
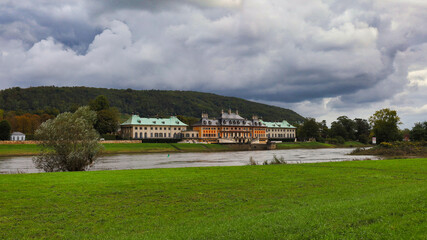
280 130
157 135
281 135
155 128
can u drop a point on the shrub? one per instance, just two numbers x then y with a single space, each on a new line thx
69 142
252 161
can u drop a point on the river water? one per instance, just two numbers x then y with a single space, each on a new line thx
176 160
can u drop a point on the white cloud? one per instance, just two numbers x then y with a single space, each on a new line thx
322 58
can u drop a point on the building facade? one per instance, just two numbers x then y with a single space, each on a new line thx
280 130
17 136
152 128
230 128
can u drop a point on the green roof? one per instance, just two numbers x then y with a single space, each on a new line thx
136 120
283 124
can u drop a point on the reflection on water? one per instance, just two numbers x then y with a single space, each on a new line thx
174 160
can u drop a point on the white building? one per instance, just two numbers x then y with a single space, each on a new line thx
280 130
152 128
17 136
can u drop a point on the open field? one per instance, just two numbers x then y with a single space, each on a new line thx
115 148
346 200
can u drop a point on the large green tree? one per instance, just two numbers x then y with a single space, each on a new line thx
419 132
384 124
68 142
107 117
343 127
362 130
308 130
5 129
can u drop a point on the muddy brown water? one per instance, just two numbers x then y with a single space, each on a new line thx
177 160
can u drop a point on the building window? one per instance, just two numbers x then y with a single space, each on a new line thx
156 135
151 128
136 135
145 128
155 128
140 135
145 135
160 134
151 135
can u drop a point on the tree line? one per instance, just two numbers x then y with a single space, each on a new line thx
148 103
383 125
107 122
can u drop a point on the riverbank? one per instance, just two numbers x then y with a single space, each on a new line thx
118 148
395 150
383 199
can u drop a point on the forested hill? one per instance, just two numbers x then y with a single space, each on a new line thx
145 102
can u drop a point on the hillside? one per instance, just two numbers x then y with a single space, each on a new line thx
144 102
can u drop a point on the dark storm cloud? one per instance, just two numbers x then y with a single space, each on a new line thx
337 53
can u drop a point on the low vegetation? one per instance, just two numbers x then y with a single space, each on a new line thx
395 149
384 199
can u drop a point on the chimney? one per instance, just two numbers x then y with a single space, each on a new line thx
254 117
237 112
204 115
222 111
229 111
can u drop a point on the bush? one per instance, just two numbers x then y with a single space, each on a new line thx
69 142
252 161
275 160
340 140
332 141
109 136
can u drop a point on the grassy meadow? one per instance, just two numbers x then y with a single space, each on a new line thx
384 199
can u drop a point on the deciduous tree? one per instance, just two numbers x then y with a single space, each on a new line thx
384 124
69 142
5 130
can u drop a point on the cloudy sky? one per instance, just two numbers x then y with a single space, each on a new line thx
321 58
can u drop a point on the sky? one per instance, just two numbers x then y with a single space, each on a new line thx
320 58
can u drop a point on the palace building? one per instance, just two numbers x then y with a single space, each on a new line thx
280 130
230 128
152 128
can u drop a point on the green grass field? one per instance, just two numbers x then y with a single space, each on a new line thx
308 145
346 200
18 149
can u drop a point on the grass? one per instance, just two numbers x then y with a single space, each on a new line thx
18 149
307 145
347 200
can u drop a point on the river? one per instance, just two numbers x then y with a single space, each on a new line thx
176 160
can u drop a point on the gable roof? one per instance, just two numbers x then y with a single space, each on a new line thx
136 120
17 133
